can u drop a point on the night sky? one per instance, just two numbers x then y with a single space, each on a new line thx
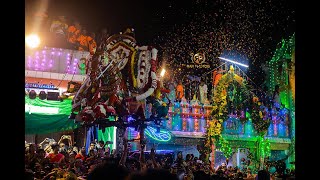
247 30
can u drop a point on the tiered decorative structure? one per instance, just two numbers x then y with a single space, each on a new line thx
281 71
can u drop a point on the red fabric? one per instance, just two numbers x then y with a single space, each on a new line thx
55 158
109 109
98 113
163 90
79 156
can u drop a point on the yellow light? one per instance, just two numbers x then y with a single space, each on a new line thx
33 41
162 72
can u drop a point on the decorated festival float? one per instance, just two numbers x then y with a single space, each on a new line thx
121 81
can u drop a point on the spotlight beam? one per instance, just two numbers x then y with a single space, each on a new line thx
244 65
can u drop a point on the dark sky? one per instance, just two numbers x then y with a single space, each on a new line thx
249 28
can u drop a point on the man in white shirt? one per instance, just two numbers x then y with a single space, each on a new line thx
203 91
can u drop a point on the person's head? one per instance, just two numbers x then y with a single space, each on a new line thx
41 153
92 152
248 170
32 148
92 145
72 156
101 143
107 151
192 156
159 174
62 146
105 171
263 175
195 159
201 82
188 157
100 152
55 148
83 150
75 149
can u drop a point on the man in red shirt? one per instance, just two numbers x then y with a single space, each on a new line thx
81 154
56 156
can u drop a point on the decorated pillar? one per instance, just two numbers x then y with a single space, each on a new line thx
196 125
184 123
207 109
176 119
185 112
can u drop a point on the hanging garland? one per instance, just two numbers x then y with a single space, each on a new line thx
260 117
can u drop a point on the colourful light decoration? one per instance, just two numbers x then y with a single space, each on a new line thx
196 109
169 123
51 60
184 124
163 136
196 125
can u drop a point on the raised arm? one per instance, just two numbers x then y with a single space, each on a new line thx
45 140
62 138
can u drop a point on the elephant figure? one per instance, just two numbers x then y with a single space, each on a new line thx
120 84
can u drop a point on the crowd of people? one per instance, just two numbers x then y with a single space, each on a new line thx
60 160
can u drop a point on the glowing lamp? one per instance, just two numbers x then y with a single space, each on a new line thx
32 41
162 72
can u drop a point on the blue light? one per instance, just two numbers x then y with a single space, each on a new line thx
163 136
130 119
